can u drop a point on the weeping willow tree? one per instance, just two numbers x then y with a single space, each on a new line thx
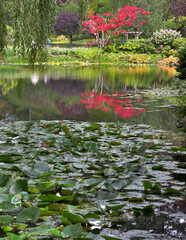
32 22
3 29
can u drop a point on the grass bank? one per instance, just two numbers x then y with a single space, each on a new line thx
82 56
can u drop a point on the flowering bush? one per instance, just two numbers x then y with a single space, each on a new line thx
165 36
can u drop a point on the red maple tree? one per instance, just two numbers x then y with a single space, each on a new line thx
106 25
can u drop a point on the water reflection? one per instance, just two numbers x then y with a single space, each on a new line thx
35 78
92 94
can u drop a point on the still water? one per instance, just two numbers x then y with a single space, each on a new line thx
86 93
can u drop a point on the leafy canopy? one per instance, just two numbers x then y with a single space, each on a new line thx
67 24
32 24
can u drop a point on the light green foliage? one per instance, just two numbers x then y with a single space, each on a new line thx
111 48
31 22
178 43
182 63
3 29
82 9
31 35
68 6
7 85
138 46
88 53
62 39
175 24
10 32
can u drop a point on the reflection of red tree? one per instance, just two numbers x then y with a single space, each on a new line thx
124 108
75 111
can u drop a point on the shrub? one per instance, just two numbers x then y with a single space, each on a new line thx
86 54
110 57
178 43
112 48
62 39
170 61
59 51
181 68
173 52
139 46
164 50
130 46
139 58
165 37
146 46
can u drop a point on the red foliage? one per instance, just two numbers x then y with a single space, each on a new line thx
103 26
124 108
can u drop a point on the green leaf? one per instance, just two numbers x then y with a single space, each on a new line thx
45 186
115 143
12 236
30 214
4 179
10 157
158 168
116 207
91 182
3 198
110 238
56 233
135 199
19 186
73 217
172 191
110 172
73 230
91 146
66 131
51 198
148 210
6 219
65 221
156 188
93 127
147 185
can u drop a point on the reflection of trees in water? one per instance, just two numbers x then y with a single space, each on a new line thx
7 84
68 97
100 98
76 111
100 83
67 87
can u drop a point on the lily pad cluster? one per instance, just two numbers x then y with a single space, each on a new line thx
79 180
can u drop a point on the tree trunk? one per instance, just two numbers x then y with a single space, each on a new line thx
70 40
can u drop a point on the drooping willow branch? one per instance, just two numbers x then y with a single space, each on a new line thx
32 22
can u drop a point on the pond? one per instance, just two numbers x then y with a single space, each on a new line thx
118 173
90 94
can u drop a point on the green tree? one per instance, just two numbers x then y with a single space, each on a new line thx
3 29
32 23
82 9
